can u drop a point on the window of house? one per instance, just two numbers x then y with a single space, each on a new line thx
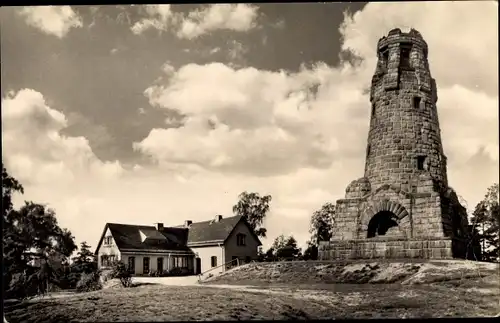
416 102
145 265
108 240
131 264
247 259
213 261
420 162
107 260
240 239
404 60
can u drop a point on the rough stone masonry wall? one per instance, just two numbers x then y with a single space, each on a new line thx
400 131
387 249
347 212
424 210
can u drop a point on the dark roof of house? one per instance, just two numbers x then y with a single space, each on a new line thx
128 236
205 231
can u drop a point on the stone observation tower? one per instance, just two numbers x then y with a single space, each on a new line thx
402 206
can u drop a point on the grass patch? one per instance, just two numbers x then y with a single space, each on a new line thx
164 303
309 297
271 302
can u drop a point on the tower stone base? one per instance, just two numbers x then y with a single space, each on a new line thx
388 248
422 220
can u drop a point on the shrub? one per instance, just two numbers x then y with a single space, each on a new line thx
105 275
21 287
120 271
89 282
176 271
156 273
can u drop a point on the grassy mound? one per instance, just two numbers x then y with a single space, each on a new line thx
375 272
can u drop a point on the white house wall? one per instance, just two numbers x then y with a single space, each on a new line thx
242 252
205 254
108 250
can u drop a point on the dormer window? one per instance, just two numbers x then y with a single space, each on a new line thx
240 239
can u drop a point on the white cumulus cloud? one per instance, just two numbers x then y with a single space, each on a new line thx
34 150
252 121
52 20
237 17
158 17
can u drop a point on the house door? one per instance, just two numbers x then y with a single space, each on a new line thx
159 266
198 266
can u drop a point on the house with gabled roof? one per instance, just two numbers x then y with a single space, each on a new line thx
195 247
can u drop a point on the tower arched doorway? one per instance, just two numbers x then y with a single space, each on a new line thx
383 223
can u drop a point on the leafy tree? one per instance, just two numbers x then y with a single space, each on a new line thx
84 255
285 247
322 224
278 243
30 235
9 186
268 255
254 209
85 261
485 220
311 252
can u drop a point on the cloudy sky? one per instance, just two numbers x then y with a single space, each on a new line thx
143 114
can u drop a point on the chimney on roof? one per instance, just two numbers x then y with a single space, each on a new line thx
188 223
159 226
218 217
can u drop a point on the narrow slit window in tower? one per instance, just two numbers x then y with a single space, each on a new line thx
404 60
368 149
420 162
385 56
416 102
373 109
